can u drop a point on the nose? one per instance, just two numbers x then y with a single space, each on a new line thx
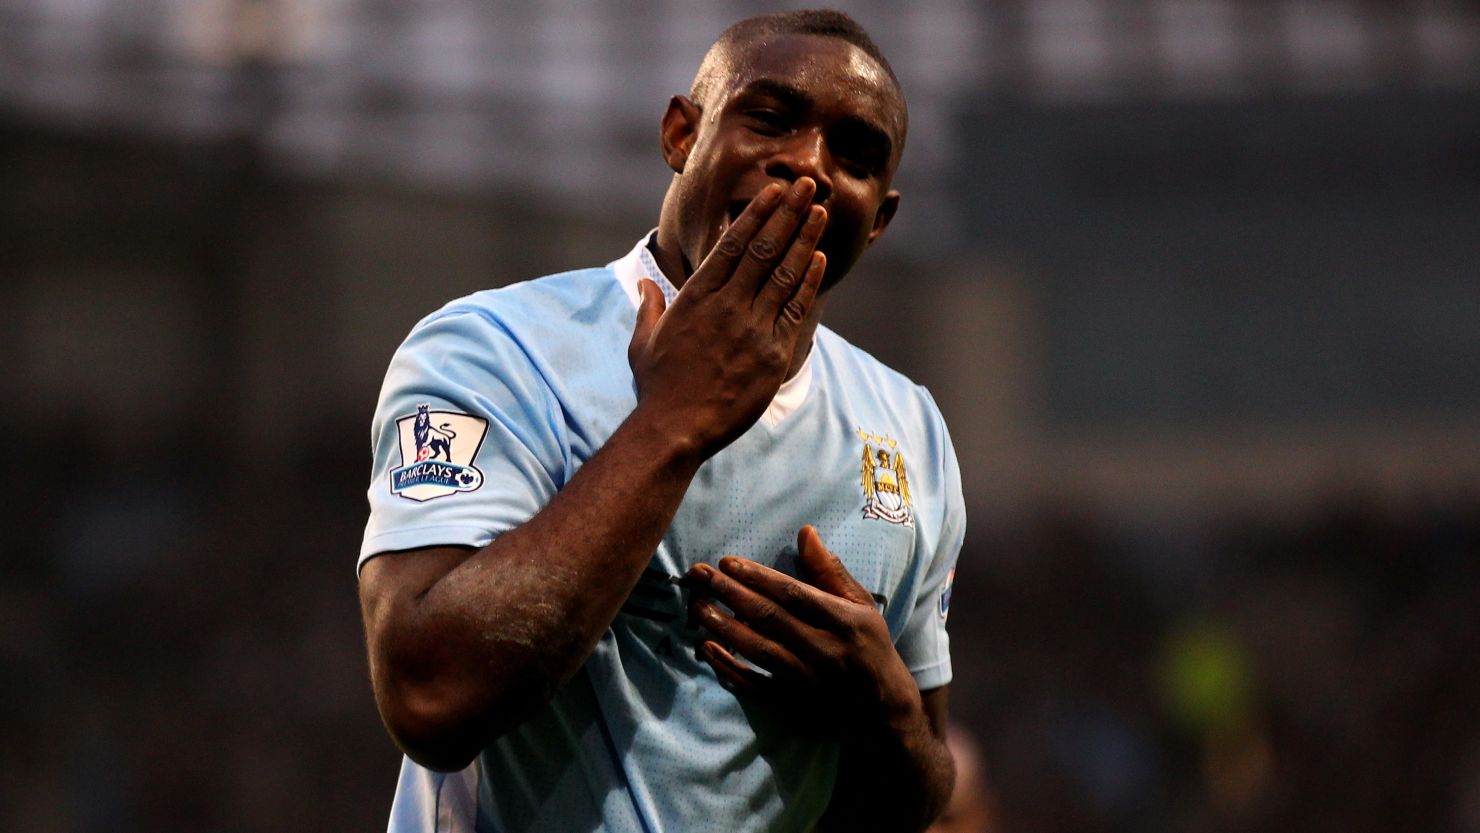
803 154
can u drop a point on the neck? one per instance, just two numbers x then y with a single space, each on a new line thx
666 248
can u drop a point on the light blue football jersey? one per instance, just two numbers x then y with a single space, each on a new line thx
492 404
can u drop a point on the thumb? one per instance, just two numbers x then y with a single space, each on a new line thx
826 571
649 310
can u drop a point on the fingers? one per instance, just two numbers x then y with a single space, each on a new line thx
768 249
732 672
764 652
744 680
794 311
765 615
722 260
649 309
763 238
791 273
807 603
825 570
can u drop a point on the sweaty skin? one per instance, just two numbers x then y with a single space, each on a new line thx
781 179
439 620
817 107
802 105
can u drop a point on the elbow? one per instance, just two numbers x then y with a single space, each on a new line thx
939 783
430 729
941 790
445 730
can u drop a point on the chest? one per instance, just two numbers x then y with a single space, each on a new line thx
753 498
858 468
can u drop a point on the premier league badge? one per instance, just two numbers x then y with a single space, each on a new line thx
437 451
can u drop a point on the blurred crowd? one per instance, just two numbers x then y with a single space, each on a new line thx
1220 251
182 651
1308 673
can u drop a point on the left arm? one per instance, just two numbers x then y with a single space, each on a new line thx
832 667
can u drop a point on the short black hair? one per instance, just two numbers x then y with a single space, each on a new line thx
828 23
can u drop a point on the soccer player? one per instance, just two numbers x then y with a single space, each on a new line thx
649 548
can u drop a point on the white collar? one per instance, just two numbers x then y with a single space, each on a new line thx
639 264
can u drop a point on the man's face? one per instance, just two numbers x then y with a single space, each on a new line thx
797 105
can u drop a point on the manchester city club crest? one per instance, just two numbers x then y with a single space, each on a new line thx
886 488
437 451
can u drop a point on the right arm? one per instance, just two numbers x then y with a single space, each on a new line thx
465 644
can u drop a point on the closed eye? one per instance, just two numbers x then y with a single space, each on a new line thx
768 122
862 167
862 151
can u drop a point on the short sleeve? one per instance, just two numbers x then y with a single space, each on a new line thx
467 439
925 645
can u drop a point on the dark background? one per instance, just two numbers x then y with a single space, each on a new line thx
1197 285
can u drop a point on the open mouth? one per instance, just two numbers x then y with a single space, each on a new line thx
732 213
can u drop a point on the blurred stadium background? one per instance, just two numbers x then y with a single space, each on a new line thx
1196 282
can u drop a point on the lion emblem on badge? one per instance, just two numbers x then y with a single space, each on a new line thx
431 442
432 464
886 487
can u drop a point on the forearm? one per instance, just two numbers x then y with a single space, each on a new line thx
904 759
463 648
460 657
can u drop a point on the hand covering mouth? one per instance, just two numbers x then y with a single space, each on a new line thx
732 213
